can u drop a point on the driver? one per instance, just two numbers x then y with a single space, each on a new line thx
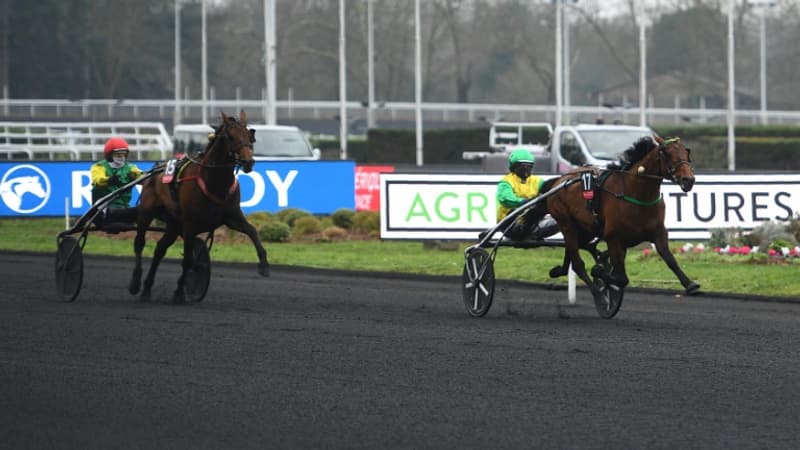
516 188
111 173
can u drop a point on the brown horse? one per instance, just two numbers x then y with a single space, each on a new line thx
627 209
204 196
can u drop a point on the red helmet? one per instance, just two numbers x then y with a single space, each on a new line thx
115 144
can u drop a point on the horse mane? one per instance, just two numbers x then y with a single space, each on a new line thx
633 154
212 137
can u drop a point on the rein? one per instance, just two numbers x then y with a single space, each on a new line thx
623 196
207 165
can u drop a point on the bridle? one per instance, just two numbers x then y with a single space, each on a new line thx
235 147
665 160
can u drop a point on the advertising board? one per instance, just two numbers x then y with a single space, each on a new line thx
53 188
368 186
458 207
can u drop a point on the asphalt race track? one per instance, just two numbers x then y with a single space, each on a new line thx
320 359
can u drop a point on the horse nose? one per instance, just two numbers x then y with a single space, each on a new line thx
246 159
686 183
247 166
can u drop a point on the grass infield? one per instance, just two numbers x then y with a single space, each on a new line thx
754 274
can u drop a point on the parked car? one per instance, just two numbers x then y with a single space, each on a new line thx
273 142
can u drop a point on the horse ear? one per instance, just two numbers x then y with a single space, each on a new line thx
224 116
243 117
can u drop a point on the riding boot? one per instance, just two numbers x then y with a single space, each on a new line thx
545 228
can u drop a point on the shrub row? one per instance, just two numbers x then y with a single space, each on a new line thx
293 224
770 235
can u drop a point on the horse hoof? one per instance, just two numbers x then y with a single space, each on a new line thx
693 288
263 269
133 288
178 297
557 271
145 297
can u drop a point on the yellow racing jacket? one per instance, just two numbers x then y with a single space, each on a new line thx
512 192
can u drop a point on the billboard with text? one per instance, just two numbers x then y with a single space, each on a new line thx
53 188
428 206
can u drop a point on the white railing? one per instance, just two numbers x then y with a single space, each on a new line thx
190 111
34 140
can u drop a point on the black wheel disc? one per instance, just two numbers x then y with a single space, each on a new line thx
69 269
608 300
198 277
478 282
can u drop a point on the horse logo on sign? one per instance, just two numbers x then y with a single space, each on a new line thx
25 189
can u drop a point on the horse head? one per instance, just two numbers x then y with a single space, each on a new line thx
238 139
675 160
29 184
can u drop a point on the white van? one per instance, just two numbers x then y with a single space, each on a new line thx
273 142
574 145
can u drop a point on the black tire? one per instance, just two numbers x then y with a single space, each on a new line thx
608 300
478 282
199 275
69 268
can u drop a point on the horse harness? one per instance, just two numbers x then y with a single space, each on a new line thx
593 181
173 174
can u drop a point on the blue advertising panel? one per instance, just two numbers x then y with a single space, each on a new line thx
29 188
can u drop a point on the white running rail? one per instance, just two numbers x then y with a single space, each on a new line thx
77 140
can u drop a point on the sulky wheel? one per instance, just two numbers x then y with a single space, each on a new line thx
478 282
608 300
69 268
199 275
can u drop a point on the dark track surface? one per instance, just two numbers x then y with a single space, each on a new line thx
314 359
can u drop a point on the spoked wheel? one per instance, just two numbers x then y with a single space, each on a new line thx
198 277
478 282
609 297
69 268
608 300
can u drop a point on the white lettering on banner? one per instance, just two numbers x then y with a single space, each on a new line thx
444 206
363 201
368 181
282 186
82 188
83 193
258 189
